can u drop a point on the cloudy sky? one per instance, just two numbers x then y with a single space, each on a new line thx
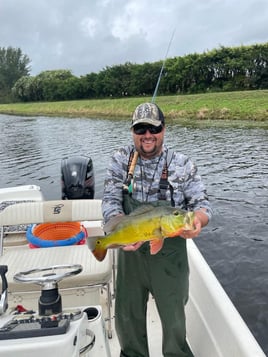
87 35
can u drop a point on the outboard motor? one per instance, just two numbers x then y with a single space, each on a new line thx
77 178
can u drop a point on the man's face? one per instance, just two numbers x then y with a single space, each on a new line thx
148 139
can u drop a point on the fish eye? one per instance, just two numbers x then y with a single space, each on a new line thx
175 213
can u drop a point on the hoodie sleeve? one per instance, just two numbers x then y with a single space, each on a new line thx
189 190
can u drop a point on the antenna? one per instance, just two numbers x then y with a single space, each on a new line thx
161 71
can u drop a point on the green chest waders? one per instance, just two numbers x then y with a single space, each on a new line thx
165 276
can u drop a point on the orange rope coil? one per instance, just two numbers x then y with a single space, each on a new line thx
56 234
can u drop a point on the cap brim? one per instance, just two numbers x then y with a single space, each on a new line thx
147 121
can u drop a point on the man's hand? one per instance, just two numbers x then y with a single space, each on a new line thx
200 220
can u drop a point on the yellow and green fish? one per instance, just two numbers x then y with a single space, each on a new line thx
146 223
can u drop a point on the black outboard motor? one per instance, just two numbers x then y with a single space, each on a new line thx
77 178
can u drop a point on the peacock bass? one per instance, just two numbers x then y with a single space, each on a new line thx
146 223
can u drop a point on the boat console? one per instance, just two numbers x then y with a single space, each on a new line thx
29 325
78 331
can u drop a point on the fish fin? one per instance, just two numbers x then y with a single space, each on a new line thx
98 252
156 245
142 210
112 223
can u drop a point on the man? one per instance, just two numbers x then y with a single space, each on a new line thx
160 175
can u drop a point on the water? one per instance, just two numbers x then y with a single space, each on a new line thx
233 164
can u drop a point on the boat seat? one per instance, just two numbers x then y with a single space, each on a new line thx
93 271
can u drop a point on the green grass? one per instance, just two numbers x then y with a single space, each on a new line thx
248 107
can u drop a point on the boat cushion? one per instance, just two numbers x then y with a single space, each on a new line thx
22 258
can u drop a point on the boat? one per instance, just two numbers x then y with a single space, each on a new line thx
61 298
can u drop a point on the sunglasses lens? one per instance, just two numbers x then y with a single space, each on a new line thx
142 129
156 129
139 130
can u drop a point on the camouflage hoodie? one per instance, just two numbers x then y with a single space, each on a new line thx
188 190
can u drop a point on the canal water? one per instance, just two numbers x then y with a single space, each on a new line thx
233 163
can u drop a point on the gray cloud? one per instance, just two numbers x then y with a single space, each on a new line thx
86 36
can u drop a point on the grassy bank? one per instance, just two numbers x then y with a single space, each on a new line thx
250 108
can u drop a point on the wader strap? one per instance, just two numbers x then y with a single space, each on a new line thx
164 185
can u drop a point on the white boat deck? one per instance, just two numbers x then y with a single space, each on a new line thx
214 327
154 333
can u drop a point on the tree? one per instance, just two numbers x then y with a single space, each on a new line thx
23 89
13 65
221 69
89 85
55 85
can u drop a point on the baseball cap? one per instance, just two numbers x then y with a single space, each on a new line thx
148 113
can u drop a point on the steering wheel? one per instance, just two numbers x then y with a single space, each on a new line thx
50 274
50 299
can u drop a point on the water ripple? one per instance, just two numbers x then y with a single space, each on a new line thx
232 162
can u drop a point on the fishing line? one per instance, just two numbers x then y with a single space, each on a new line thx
162 68
136 154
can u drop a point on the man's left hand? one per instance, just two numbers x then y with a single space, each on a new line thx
200 220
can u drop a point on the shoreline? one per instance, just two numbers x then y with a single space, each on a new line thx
243 109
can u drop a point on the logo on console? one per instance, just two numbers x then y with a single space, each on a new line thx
57 208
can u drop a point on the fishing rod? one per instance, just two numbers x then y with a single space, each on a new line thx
129 178
130 172
162 68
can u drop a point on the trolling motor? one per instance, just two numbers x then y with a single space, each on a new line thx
77 178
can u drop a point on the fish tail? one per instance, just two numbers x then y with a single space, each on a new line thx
94 244
99 254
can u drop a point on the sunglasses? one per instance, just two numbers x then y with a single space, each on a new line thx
142 129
